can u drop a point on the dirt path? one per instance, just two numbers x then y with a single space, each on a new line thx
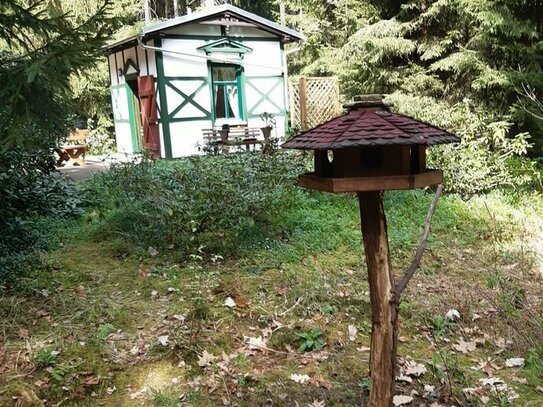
93 164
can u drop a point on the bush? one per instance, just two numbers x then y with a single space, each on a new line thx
198 204
34 201
100 140
489 156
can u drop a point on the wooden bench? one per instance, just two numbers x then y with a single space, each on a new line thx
75 147
232 136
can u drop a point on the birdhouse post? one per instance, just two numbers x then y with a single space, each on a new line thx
369 150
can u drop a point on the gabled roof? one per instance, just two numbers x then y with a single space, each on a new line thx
286 34
225 45
370 123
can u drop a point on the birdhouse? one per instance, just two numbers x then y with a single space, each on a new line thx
370 148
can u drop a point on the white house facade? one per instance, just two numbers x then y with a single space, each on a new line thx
220 66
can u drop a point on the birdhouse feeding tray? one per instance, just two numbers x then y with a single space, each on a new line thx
370 148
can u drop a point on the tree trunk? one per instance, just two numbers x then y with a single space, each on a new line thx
147 12
384 310
175 8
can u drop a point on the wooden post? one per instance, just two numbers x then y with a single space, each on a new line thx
384 308
303 102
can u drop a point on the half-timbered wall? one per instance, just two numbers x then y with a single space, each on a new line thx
184 90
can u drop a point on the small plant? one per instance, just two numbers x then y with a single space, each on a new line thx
59 372
439 325
328 309
46 358
365 385
268 119
164 397
104 330
311 340
446 368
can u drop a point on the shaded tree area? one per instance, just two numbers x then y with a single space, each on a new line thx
42 45
163 9
450 50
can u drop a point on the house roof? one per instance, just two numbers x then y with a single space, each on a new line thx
286 34
369 122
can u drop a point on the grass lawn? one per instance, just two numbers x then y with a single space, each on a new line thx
113 323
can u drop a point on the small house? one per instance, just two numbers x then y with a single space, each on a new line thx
179 78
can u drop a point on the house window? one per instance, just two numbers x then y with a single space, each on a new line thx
227 97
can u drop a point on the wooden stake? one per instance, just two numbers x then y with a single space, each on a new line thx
384 306
303 102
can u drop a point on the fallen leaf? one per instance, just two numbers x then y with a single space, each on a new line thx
91 381
465 347
137 394
163 340
205 359
429 389
452 315
403 378
488 369
258 343
401 400
229 302
80 291
299 378
490 381
514 362
23 333
352 333
415 369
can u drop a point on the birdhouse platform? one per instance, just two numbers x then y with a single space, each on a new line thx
370 148
360 184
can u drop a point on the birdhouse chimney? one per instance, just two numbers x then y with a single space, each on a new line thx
373 101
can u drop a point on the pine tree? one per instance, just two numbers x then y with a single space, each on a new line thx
41 48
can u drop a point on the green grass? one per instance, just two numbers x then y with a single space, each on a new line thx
102 302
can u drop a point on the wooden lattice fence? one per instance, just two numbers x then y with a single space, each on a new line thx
313 101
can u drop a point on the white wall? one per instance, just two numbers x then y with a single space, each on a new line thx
186 136
266 58
181 65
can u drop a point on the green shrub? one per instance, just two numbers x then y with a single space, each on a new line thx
490 154
100 140
198 204
35 204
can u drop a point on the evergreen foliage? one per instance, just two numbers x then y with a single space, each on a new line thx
460 63
40 48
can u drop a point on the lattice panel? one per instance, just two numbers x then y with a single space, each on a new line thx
321 101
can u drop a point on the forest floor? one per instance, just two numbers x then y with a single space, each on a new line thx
109 325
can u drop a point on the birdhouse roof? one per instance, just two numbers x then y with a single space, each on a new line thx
370 123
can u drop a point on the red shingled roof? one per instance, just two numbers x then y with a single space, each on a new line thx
370 127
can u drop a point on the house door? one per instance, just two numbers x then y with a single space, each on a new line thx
149 116
135 114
